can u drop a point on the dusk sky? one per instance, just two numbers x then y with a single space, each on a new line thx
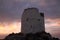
11 11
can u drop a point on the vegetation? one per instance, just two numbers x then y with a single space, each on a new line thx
30 36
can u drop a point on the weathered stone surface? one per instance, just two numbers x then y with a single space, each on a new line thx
32 21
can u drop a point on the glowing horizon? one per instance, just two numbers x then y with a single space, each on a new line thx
7 28
51 25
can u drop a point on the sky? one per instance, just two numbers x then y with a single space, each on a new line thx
11 11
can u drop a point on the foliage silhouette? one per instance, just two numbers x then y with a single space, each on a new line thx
30 36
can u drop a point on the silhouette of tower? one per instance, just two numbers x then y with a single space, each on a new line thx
32 21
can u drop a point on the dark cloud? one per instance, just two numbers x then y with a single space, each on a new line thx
12 9
53 9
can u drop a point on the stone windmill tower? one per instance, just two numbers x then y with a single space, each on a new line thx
32 21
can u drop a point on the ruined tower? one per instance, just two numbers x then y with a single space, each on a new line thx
32 21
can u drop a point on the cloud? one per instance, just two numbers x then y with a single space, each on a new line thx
10 27
53 9
53 26
53 22
13 9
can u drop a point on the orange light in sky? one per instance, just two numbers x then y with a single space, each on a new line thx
53 22
7 28
52 25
